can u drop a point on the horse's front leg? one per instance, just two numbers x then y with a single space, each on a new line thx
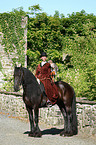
37 130
30 112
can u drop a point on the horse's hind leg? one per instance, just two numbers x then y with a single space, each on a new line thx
69 122
70 119
65 121
66 112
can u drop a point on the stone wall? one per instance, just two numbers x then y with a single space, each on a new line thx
86 113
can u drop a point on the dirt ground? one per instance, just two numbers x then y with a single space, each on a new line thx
14 131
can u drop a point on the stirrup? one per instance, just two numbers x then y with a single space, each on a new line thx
49 104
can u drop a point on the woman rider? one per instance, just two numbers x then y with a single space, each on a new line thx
43 73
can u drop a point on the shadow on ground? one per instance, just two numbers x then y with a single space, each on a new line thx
52 131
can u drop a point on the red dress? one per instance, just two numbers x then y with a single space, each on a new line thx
43 73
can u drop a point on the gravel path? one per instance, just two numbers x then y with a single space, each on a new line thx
15 132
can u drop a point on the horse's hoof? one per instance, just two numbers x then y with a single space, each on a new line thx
31 134
38 134
68 134
62 133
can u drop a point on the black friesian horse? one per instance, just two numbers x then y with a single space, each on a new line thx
34 99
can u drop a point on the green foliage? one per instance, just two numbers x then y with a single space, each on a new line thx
13 34
0 66
34 9
74 35
13 40
8 83
43 35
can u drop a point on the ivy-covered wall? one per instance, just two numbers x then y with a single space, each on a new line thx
5 65
13 45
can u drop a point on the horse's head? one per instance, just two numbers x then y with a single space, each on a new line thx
18 75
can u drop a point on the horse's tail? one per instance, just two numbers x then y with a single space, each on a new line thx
74 120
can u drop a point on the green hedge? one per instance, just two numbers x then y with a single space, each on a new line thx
75 36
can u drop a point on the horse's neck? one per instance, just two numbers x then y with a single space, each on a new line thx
28 77
22 78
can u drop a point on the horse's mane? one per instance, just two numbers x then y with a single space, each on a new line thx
29 76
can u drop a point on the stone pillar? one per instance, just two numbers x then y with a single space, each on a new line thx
24 25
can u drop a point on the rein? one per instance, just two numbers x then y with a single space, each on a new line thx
45 79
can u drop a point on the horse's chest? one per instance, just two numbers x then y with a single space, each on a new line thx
26 100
